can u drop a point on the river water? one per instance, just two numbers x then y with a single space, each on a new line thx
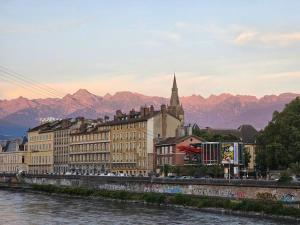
34 208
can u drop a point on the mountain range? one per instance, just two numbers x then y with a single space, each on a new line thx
217 111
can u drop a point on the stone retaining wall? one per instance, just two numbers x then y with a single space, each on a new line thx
206 187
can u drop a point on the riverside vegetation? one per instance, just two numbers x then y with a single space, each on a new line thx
265 207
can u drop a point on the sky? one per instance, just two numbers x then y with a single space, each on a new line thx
235 46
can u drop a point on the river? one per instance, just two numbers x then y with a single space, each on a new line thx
34 208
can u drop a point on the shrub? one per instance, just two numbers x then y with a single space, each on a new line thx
154 198
285 177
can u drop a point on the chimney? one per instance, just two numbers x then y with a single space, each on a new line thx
143 111
163 108
146 111
131 113
163 120
151 109
118 113
189 130
65 123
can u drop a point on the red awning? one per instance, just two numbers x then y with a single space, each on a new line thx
190 149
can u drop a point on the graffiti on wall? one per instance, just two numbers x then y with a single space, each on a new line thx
288 198
286 195
266 196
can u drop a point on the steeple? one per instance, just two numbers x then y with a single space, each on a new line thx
174 83
174 96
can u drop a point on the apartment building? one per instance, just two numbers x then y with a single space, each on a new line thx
40 147
14 155
89 148
133 137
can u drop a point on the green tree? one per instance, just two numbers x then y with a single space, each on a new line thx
247 158
166 169
176 170
216 171
280 140
216 137
295 168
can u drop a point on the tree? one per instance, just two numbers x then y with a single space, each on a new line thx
280 140
294 168
176 170
216 137
166 169
247 158
216 171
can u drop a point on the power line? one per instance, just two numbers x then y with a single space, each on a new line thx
29 80
10 78
23 80
21 85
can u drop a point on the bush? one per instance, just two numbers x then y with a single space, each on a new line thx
275 208
154 198
285 177
181 199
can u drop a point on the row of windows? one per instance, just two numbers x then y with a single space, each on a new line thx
129 136
90 147
165 150
62 141
128 146
61 159
89 157
39 137
11 168
41 159
164 161
130 125
62 134
40 147
40 169
12 159
130 157
90 137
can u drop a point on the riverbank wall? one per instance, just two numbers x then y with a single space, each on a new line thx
234 189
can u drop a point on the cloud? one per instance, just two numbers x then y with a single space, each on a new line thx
245 37
280 39
160 84
47 27
157 84
279 76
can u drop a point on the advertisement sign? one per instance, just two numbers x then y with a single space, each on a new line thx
228 152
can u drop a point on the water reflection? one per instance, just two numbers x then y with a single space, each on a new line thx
32 208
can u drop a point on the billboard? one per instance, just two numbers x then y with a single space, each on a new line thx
227 152
230 153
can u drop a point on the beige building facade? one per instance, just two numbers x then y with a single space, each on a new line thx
89 151
14 156
40 147
133 137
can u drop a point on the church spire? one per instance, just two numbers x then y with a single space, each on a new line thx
175 108
174 83
174 97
